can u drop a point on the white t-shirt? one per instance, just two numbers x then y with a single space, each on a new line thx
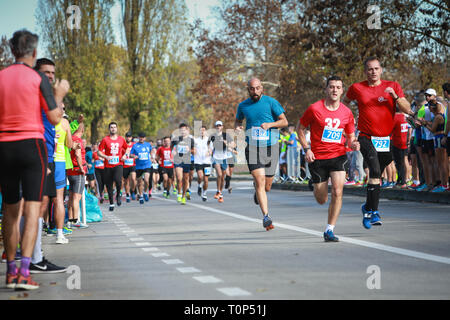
202 150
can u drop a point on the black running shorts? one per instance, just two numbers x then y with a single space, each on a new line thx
320 169
263 157
23 163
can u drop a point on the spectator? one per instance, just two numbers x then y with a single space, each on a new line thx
400 148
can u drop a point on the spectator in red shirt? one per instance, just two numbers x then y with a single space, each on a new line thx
400 137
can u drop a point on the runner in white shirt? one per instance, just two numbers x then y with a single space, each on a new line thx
202 162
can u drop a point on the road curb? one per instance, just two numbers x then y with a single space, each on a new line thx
391 194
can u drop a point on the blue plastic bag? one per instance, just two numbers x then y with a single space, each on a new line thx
93 212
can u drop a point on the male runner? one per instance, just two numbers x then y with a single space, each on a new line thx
113 148
202 162
141 151
328 120
129 169
264 115
24 92
183 148
376 100
99 164
220 142
165 158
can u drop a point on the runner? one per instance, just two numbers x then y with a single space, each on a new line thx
165 158
24 92
264 115
183 148
202 161
99 164
129 169
219 141
113 148
141 151
376 100
329 120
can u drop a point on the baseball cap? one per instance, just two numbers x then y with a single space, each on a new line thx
128 134
218 123
431 92
141 135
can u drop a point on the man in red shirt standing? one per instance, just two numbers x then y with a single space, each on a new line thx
400 138
329 120
376 100
24 93
113 149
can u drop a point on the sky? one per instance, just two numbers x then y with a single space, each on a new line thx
19 14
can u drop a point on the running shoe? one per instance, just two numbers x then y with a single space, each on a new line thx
141 200
204 198
366 217
46 266
230 189
80 225
375 219
350 183
216 196
26 283
179 197
11 280
199 191
267 222
220 198
127 198
146 197
62 240
119 200
421 187
183 200
111 207
102 200
188 194
329 236
439 189
4 256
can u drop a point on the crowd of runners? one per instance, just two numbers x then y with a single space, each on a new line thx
43 152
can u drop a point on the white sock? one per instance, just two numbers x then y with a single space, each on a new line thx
59 233
37 252
330 227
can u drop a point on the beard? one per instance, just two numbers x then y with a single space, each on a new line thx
255 97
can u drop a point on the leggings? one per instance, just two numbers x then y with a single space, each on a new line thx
99 176
399 159
112 175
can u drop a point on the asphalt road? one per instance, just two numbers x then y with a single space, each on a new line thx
211 251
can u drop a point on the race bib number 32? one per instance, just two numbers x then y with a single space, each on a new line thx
381 144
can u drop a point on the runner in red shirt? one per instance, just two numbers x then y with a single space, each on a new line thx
329 120
164 157
376 100
400 138
129 169
99 165
112 149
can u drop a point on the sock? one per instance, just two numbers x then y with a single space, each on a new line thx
330 227
11 267
25 266
37 252
59 232
373 197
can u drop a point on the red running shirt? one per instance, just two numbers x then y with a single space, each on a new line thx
99 163
76 169
115 148
400 132
165 157
376 107
327 129
24 92
129 162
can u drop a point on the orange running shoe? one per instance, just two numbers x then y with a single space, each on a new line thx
26 283
11 280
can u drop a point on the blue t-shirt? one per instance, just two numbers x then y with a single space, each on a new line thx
89 160
49 136
293 137
266 110
142 150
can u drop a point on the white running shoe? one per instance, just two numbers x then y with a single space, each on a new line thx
62 240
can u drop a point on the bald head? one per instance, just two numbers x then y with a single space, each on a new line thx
255 89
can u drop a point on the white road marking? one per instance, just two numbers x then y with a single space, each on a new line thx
160 254
372 245
172 261
234 292
151 249
207 279
136 239
143 244
188 270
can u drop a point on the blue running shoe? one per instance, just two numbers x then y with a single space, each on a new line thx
422 187
146 197
366 217
375 219
330 237
267 222
141 200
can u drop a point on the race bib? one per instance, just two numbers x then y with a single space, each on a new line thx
207 171
260 134
113 160
155 166
381 144
182 149
99 163
332 135
167 163
143 155
128 162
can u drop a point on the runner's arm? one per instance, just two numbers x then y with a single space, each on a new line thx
280 123
309 155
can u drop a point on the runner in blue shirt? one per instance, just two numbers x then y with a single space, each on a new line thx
141 151
264 115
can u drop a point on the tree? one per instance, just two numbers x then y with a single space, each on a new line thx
6 57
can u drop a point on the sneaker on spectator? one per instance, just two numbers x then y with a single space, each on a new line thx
26 283
62 240
46 266
440 188
421 187
350 183
80 225
429 188
359 183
